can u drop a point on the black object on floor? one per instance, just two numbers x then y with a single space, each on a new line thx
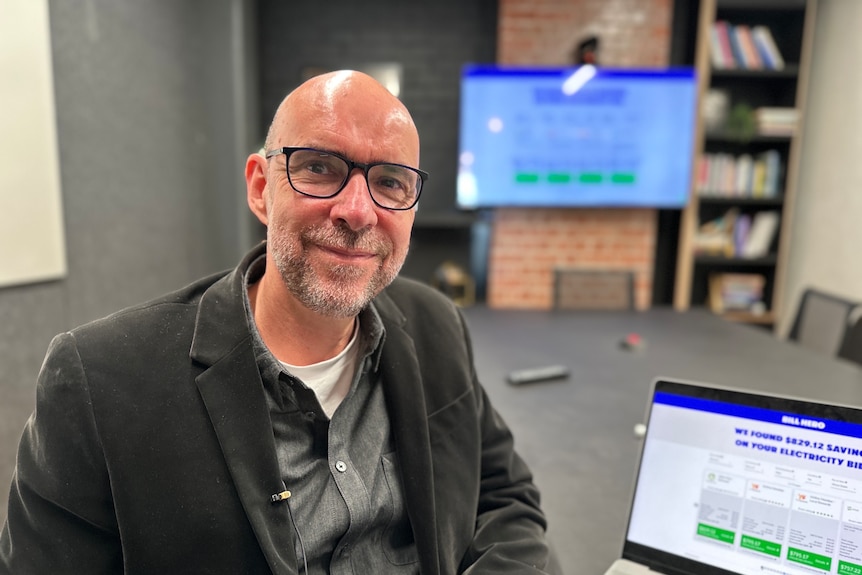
535 374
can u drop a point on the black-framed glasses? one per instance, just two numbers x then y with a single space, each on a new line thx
322 174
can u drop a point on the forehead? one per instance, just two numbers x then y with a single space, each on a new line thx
367 124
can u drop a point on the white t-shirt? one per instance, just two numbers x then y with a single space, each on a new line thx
330 379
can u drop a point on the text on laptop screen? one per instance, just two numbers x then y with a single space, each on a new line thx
751 489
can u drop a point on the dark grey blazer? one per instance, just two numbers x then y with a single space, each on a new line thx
151 448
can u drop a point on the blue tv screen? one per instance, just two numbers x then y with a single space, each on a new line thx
575 137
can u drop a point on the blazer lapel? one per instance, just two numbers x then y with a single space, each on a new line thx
409 419
233 394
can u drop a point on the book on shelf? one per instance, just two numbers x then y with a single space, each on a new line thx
722 48
715 237
744 170
741 231
750 55
716 52
772 162
737 235
765 43
744 47
764 227
736 47
743 176
775 121
758 179
776 113
735 292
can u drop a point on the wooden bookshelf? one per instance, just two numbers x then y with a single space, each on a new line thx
755 139
789 71
723 261
791 23
740 201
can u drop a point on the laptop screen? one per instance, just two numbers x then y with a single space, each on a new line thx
735 482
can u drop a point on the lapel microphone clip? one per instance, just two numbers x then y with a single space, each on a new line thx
275 498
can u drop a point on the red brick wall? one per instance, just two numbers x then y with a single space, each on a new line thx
631 32
527 244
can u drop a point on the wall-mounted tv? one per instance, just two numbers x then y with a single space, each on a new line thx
575 137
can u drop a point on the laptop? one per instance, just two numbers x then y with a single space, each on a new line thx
737 482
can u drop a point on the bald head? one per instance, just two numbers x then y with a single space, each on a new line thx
334 253
347 104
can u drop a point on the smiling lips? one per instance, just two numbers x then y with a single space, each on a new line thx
346 253
346 245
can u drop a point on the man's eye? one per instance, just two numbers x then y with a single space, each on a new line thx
318 168
390 183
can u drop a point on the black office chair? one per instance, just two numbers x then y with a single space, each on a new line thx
851 347
821 321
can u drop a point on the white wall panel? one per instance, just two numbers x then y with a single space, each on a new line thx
826 250
32 246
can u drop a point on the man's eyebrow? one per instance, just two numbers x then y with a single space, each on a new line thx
325 149
321 148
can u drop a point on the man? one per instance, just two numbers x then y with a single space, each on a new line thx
305 413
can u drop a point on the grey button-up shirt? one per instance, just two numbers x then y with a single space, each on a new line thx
346 495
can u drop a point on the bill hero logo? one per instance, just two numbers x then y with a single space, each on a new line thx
801 422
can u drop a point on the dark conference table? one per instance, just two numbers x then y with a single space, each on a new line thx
578 434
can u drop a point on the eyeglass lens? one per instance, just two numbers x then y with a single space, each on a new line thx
319 174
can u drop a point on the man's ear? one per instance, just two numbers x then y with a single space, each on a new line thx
256 186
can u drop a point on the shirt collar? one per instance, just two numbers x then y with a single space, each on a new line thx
371 329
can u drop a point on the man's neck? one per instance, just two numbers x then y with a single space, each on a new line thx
292 332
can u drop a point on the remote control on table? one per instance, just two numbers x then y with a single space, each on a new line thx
534 374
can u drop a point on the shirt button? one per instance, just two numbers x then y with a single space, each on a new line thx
340 466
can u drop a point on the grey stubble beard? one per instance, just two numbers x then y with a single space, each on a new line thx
328 295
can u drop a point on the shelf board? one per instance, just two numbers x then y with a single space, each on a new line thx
765 261
740 201
760 5
789 71
734 139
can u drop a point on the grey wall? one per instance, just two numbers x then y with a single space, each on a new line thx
431 40
826 232
153 104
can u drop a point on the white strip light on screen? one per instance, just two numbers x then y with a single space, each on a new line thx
577 80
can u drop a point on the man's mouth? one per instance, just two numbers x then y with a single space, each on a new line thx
347 253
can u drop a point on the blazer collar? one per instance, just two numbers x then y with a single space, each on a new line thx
232 391
222 320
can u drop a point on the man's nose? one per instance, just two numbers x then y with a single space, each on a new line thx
353 205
